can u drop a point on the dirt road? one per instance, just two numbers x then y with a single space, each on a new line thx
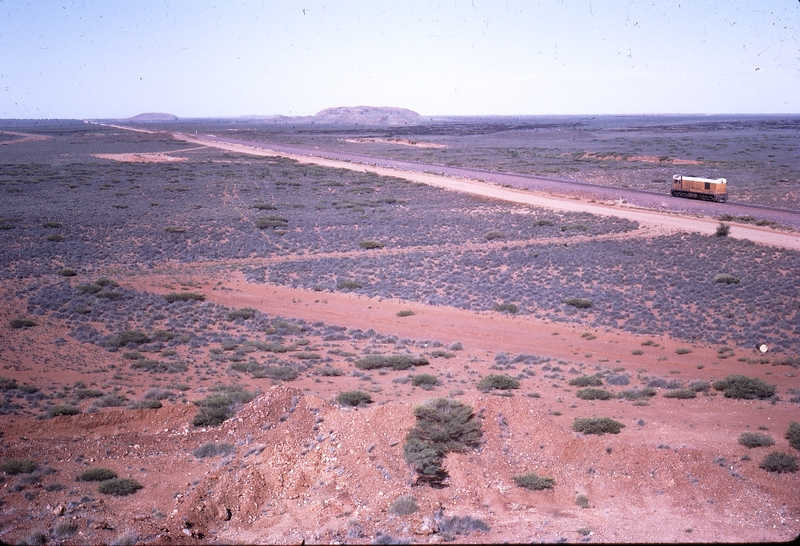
666 221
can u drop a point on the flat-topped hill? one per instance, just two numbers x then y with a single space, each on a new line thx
368 115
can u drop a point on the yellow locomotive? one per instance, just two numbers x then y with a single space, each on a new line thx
694 187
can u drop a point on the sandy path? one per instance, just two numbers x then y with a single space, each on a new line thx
665 221
24 137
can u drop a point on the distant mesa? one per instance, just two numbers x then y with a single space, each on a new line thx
153 116
368 115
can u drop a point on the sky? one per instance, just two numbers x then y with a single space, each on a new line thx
194 58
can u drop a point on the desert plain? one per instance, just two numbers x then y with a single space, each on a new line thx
227 331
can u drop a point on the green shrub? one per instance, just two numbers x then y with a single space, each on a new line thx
579 303
534 482
538 223
245 313
12 467
779 462
353 398
119 487
683 350
96 474
586 381
638 394
64 529
395 362
264 206
439 353
212 450
793 434
370 245
281 373
494 234
462 525
220 406
61 409
19 323
443 426
405 313
726 279
162 335
755 439
82 394
265 222
425 381
681 394
52 224
582 501
56 237
145 404
637 352
592 393
403 506
175 229
597 425
128 336
329 371
184 296
723 230
743 387
507 307
347 284
67 272
497 382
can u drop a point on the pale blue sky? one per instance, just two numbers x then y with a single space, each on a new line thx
103 59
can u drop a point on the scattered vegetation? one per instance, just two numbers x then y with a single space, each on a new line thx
507 308
425 381
579 303
120 487
462 525
19 323
534 482
348 284
793 434
395 362
586 381
96 474
245 313
683 351
403 506
184 296
221 405
371 245
755 439
213 450
726 279
743 387
597 425
405 313
681 394
443 426
62 409
592 393
497 382
779 462
353 398
12 467
274 222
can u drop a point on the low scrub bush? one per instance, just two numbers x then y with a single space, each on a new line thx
395 362
371 245
184 296
579 303
743 387
353 398
405 313
19 323
507 308
119 487
497 382
586 381
592 393
683 351
220 406
96 474
726 279
145 404
403 506
265 222
755 439
281 373
329 371
122 339
62 409
264 206
681 394
245 313
793 434
12 467
462 525
597 425
723 230
348 284
82 394
582 501
779 462
534 482
67 272
425 381
212 450
494 234
443 426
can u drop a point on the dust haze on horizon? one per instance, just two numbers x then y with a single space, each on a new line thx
90 59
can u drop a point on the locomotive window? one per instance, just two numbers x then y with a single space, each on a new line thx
708 185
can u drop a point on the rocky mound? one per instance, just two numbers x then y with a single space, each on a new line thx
153 116
368 115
